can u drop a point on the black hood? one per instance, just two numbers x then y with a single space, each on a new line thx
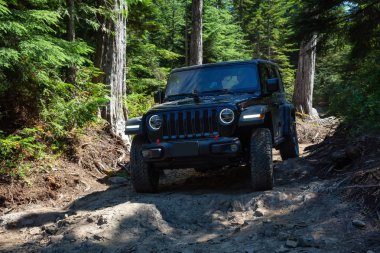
204 101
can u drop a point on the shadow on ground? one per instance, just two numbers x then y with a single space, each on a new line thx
214 212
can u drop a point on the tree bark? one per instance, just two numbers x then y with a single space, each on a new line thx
111 59
303 90
196 47
71 71
186 40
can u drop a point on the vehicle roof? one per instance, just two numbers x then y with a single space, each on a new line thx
226 63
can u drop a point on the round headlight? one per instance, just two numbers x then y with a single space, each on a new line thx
155 122
226 116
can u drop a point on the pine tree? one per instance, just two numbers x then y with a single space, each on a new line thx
224 39
268 25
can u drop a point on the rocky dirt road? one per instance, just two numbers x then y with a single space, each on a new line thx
194 212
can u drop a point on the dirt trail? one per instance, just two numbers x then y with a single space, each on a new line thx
195 212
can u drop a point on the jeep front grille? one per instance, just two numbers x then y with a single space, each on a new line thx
190 124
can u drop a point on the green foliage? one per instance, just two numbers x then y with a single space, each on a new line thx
155 44
223 37
34 58
138 104
348 60
18 148
357 97
268 25
62 115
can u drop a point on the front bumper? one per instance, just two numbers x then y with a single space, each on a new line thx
193 152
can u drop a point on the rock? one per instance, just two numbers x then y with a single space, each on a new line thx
102 221
291 243
61 223
117 180
237 206
358 223
54 239
35 231
283 236
90 220
308 196
51 230
314 114
187 251
282 249
258 214
269 233
70 237
248 250
98 237
306 242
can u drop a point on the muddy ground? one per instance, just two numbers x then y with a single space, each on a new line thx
310 210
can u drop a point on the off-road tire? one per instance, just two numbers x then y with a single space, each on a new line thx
261 163
144 177
289 148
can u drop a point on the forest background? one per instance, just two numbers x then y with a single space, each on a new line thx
52 83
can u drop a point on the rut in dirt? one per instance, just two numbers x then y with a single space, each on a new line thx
212 212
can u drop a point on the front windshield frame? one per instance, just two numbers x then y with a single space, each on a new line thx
216 82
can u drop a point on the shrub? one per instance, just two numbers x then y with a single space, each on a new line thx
18 148
138 104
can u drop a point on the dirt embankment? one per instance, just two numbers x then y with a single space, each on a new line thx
314 207
56 182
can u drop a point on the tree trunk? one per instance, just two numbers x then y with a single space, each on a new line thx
196 47
111 59
186 40
71 71
303 90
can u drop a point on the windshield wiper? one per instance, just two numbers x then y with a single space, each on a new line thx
215 91
194 95
244 90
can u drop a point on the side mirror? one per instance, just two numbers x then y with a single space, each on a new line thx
273 85
159 96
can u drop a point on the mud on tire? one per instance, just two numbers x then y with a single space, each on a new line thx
289 148
144 177
261 164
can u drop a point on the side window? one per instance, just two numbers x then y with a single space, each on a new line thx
264 74
275 73
278 74
272 71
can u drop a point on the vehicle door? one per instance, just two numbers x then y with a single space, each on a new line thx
278 101
273 99
264 76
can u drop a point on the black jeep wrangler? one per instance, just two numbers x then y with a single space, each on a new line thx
211 116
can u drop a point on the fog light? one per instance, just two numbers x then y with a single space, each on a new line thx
234 148
151 153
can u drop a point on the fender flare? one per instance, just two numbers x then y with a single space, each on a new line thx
134 126
254 115
289 116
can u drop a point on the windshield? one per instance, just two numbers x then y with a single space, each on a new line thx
235 78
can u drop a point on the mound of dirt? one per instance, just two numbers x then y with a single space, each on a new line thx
97 151
315 130
95 155
354 163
